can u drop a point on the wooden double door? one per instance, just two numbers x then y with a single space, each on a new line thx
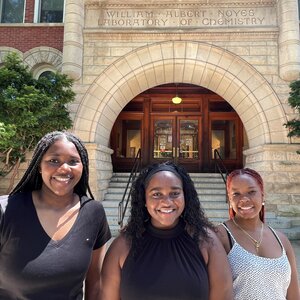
187 134
178 139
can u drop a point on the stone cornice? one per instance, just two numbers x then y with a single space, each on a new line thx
222 34
160 5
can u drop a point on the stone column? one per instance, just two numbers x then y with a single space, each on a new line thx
100 167
289 45
73 39
279 165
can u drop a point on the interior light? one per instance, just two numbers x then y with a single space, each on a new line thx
176 100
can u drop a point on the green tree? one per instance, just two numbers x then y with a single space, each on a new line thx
294 102
29 108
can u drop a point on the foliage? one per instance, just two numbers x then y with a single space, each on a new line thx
29 108
294 102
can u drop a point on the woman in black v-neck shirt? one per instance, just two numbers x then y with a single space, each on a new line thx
52 236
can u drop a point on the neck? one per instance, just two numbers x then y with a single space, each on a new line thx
248 224
50 200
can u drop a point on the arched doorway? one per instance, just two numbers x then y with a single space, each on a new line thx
186 133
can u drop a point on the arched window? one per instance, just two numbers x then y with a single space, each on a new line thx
46 74
12 11
43 70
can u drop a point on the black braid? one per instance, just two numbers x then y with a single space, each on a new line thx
196 221
32 179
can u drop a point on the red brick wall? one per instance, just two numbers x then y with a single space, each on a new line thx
29 11
25 38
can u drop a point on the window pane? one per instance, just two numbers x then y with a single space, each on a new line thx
188 139
128 138
162 139
12 11
223 138
52 11
47 74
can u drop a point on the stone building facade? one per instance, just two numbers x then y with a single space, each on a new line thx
247 52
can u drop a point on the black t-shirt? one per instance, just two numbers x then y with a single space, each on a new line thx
33 266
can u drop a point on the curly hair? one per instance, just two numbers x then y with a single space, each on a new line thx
193 215
32 179
256 176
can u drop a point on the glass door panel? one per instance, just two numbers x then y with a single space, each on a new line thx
163 138
188 137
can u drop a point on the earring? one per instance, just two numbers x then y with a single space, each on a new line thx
263 203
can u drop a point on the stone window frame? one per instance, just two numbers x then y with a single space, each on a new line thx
39 70
37 12
1 13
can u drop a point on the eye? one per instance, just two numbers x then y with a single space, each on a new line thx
236 194
251 193
74 162
53 161
156 195
175 194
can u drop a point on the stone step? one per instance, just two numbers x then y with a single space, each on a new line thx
205 190
212 195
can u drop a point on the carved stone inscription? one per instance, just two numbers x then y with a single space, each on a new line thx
183 17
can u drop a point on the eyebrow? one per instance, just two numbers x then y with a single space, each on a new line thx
172 187
250 187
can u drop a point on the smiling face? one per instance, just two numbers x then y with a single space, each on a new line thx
165 199
245 196
61 168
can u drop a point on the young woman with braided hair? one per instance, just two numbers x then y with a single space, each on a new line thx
262 260
168 250
52 235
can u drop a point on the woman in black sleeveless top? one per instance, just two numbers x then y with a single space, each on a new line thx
168 250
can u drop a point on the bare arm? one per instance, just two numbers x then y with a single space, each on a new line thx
111 271
293 292
220 278
92 281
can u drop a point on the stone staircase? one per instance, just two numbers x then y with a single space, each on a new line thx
212 195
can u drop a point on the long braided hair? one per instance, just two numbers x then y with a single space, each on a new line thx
256 176
193 214
32 179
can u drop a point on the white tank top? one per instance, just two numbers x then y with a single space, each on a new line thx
258 278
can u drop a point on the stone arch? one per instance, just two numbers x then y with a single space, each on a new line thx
188 62
5 50
39 57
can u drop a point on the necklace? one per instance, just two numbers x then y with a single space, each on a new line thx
256 243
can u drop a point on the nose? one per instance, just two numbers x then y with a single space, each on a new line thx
245 197
64 167
167 199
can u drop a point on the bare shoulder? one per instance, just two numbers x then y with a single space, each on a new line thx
221 232
213 244
119 248
284 240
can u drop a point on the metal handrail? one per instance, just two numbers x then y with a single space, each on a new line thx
135 169
220 166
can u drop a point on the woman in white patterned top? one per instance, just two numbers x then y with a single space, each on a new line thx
262 260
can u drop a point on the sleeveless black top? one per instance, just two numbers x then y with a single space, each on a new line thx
169 266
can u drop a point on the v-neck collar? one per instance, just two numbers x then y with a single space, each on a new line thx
54 243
